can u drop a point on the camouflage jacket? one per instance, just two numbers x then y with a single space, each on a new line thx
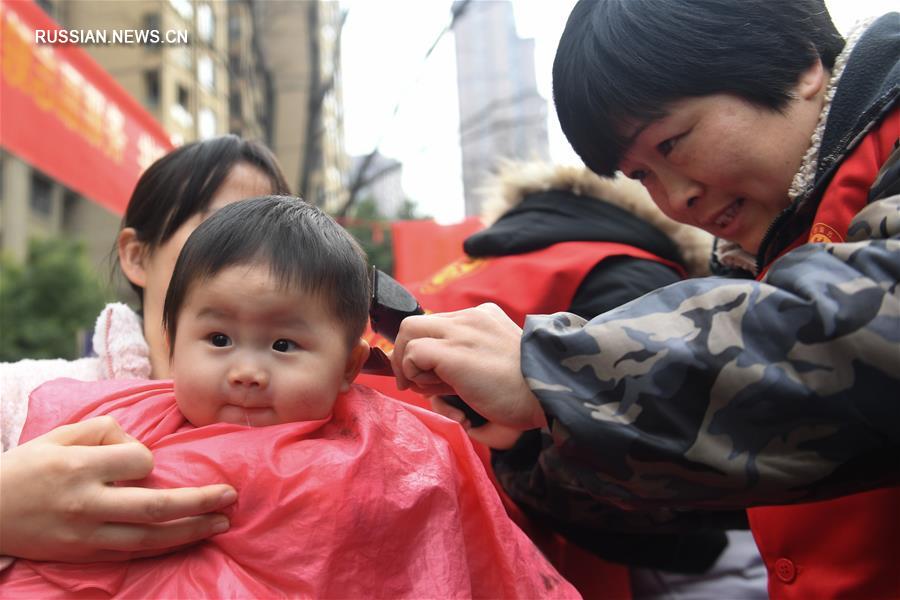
723 394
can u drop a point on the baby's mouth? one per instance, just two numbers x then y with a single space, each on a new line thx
252 414
726 217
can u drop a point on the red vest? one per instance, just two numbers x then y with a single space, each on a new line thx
540 282
536 283
844 548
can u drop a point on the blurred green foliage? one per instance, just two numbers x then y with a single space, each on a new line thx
45 302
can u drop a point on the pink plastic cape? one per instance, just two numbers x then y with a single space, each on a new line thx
382 500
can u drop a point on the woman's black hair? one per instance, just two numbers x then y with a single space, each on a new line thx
183 182
622 62
303 248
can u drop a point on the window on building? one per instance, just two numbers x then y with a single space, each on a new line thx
234 26
152 22
182 56
151 88
206 23
206 72
206 123
70 204
180 110
183 97
184 8
47 7
41 194
235 105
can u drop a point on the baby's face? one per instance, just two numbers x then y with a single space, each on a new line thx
250 353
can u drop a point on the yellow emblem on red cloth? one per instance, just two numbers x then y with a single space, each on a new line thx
822 233
455 270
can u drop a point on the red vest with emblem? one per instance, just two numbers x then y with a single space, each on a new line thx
540 282
839 548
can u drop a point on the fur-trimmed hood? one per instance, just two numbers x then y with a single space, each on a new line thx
564 189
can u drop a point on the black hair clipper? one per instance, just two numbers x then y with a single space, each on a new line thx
390 304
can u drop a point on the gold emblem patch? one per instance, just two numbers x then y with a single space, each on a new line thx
822 233
459 268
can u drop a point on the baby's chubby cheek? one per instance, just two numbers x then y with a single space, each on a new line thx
191 406
312 407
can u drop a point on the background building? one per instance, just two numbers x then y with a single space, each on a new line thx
300 44
184 86
34 205
501 113
264 70
251 81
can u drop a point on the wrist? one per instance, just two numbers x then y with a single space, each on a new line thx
537 419
7 475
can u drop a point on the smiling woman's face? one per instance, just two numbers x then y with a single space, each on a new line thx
723 164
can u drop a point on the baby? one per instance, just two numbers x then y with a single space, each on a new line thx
264 315
342 492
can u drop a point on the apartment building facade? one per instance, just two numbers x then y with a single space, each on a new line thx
244 69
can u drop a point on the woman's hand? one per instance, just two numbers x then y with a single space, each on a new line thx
58 500
490 434
473 353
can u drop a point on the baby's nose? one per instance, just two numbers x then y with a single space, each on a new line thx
248 374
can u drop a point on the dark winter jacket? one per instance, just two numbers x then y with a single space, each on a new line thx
542 207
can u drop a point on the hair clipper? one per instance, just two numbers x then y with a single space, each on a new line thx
390 304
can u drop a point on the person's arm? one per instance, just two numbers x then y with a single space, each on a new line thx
721 394
59 499
708 393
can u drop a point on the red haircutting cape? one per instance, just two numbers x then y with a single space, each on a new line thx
381 500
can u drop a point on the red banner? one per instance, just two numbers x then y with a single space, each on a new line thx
423 247
63 114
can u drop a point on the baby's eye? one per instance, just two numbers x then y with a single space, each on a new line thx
637 175
283 345
219 340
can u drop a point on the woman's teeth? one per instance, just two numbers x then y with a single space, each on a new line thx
727 217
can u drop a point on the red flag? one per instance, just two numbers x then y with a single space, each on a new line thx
422 247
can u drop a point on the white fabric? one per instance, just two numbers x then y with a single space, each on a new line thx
122 353
738 574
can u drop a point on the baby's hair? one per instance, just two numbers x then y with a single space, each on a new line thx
182 184
303 248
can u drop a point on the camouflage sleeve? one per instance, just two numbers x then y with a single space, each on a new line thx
572 511
722 394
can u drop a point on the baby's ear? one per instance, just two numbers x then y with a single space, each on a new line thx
358 355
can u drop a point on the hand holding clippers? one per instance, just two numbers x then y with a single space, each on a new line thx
390 304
